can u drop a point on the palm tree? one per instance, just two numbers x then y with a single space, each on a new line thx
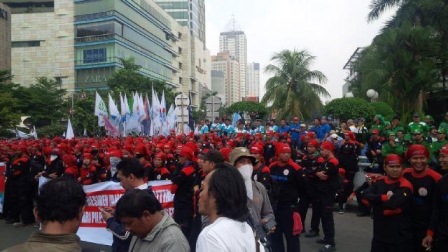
399 64
294 89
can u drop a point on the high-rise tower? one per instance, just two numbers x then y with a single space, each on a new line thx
234 41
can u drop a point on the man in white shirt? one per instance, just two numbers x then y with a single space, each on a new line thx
224 200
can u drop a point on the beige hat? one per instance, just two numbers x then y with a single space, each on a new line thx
334 135
240 152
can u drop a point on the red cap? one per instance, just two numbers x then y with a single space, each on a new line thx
256 149
417 149
282 148
314 143
375 131
392 159
327 146
115 153
87 155
226 153
444 149
161 156
187 152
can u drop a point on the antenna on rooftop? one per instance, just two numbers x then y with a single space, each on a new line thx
233 25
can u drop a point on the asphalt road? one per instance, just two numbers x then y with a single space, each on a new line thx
353 234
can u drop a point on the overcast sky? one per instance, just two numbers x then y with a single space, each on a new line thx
331 30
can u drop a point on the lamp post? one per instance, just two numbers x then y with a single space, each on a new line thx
372 94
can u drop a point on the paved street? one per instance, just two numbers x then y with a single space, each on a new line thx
353 234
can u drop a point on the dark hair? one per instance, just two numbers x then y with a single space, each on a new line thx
226 185
214 156
129 166
134 202
60 200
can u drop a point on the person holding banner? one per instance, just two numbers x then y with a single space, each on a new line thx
60 217
131 174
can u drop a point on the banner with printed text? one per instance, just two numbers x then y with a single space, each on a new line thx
93 228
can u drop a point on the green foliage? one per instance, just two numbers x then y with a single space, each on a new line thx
9 104
294 89
129 79
383 109
255 109
84 118
349 108
44 101
51 130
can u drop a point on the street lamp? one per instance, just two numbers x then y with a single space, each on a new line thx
372 94
349 95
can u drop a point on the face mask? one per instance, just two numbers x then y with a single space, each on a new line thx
53 157
246 172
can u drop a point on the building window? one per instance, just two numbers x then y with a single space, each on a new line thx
33 43
179 35
179 50
180 80
180 65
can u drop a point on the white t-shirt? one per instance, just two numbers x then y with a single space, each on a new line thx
225 234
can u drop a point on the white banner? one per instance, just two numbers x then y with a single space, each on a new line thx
93 228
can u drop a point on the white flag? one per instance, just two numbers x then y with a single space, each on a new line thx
69 133
100 109
113 109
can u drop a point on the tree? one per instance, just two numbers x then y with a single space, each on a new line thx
399 65
47 103
349 108
129 79
9 104
294 89
255 109
84 117
383 109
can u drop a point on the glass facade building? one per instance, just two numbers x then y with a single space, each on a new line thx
107 31
190 13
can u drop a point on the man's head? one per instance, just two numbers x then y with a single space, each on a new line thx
441 134
312 146
284 152
392 166
224 194
417 135
282 122
139 211
130 173
241 156
62 201
210 159
418 155
443 157
326 149
416 117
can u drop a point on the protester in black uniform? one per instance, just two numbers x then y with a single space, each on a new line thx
183 183
439 220
327 185
390 197
424 180
292 183
311 163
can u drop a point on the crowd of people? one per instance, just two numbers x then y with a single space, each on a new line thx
249 187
